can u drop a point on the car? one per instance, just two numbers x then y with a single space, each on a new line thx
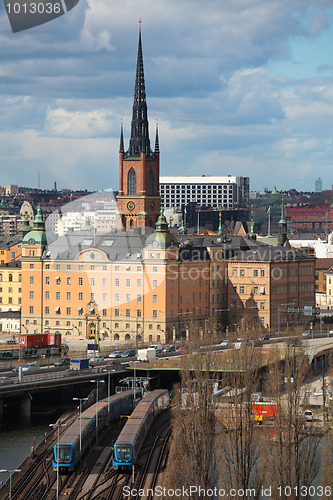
116 354
96 360
129 353
157 347
169 348
112 364
330 333
308 415
182 348
6 380
307 333
225 343
27 367
264 337
62 362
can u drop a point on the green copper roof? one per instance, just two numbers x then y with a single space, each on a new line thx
161 237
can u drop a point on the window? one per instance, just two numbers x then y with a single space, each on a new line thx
31 265
234 289
128 282
68 267
138 283
234 272
92 268
80 281
131 182
31 295
10 300
80 296
116 282
104 297
262 290
92 296
57 281
68 310
262 320
241 289
128 297
154 299
58 267
57 295
154 269
128 313
262 273
255 272
116 268
20 278
116 297
68 280
154 283
31 253
47 295
116 325
104 282
31 280
138 313
80 269
68 295
154 313
241 272
92 281
255 290
13 255
262 305
47 280
31 309
104 312
116 312
138 298
104 268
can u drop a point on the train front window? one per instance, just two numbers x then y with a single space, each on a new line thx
64 453
123 451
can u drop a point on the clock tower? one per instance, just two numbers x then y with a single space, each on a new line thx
139 167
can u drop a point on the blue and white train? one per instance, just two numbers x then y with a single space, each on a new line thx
127 447
68 452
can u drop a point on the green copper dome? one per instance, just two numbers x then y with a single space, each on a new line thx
161 237
38 235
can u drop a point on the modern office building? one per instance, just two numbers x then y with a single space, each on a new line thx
216 192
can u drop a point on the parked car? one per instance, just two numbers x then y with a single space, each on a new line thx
330 333
6 380
225 343
307 333
308 415
129 353
116 354
169 348
96 360
157 347
182 348
62 362
27 367
264 337
113 364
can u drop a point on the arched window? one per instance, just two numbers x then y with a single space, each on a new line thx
116 325
10 277
0 277
127 336
151 182
127 325
116 336
20 277
131 182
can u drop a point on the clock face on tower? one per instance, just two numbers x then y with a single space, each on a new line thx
152 205
131 206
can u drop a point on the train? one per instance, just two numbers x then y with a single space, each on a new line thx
127 447
68 451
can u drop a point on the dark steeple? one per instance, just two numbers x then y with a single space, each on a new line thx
157 142
139 141
121 145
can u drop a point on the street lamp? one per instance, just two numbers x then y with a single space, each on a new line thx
80 399
11 471
97 382
57 454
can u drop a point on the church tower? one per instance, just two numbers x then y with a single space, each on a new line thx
139 167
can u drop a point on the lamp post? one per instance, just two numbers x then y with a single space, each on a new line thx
57 454
80 399
97 382
11 471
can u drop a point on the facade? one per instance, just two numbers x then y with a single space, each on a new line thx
269 287
10 286
329 289
139 166
309 218
227 192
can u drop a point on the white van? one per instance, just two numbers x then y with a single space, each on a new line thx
157 347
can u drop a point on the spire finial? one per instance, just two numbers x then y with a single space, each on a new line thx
139 25
157 142
121 145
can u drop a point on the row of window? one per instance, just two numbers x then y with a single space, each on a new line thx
241 305
10 277
255 290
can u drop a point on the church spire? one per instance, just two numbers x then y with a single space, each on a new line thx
139 141
121 145
157 142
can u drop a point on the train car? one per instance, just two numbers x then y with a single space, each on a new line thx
68 452
128 445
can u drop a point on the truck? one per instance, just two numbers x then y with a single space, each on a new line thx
79 364
146 354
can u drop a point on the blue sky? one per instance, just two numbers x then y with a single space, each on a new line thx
240 87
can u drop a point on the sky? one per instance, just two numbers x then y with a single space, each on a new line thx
239 87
